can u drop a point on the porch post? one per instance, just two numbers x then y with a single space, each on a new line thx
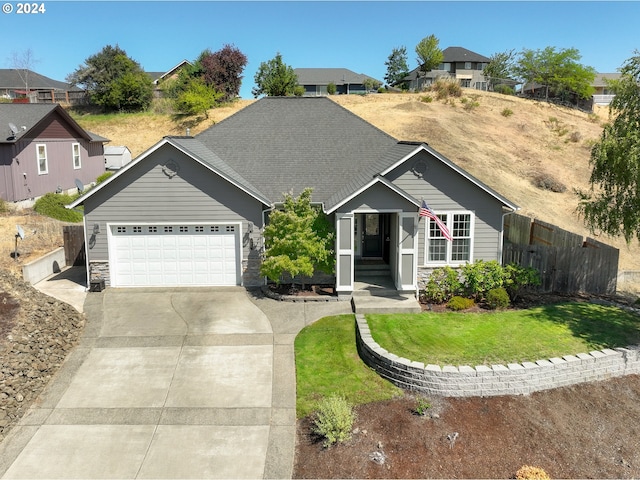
407 259
344 252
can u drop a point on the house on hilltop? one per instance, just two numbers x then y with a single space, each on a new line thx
316 80
43 150
458 63
27 86
201 202
159 77
602 94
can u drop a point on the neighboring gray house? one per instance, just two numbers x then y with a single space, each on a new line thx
459 63
190 211
116 157
316 80
28 86
602 94
42 150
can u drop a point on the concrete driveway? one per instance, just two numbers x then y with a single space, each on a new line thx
175 383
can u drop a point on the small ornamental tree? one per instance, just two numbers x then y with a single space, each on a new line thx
299 240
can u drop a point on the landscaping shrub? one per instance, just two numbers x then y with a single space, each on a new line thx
548 182
443 283
458 303
331 88
527 472
497 298
518 278
481 276
53 205
504 89
334 420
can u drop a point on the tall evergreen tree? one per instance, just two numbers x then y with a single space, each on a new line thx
397 67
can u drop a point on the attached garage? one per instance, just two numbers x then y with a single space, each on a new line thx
170 255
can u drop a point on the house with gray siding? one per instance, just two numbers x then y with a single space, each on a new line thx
316 81
458 63
43 150
190 211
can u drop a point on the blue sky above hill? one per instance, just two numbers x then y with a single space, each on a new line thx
356 35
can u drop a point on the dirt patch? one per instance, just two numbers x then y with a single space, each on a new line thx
583 431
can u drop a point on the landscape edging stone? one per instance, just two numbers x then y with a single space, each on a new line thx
484 381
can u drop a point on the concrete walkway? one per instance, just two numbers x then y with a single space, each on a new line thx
179 383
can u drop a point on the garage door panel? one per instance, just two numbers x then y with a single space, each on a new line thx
173 255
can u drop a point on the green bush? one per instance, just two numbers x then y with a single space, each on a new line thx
497 298
469 103
426 98
331 88
504 89
458 303
298 91
506 112
481 276
53 205
518 278
102 177
422 406
443 283
334 420
4 208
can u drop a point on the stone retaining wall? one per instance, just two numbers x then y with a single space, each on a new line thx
485 381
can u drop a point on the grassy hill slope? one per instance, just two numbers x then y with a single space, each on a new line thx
506 151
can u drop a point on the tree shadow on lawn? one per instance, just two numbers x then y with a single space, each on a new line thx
602 326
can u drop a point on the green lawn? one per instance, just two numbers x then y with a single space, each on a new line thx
503 337
327 362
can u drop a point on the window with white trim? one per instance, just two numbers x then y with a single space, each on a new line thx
439 250
43 165
75 152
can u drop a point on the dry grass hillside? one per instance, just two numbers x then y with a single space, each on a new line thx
507 152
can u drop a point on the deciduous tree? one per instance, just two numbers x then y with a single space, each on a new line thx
557 71
274 78
613 204
299 239
499 70
223 70
114 81
429 54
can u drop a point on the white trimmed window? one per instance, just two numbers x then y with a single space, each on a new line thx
458 251
75 152
43 165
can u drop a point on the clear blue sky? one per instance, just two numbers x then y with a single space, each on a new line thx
355 35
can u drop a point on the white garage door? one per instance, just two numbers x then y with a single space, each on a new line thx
174 255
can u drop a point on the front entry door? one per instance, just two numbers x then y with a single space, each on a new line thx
372 236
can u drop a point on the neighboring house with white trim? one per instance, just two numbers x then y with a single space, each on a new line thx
43 150
458 63
190 211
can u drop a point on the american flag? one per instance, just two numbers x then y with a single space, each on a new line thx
425 211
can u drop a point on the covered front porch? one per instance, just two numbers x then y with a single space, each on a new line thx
376 253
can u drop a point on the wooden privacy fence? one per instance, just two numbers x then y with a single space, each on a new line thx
567 262
74 250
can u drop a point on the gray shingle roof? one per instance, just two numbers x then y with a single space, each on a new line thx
325 76
285 144
10 79
453 55
28 115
